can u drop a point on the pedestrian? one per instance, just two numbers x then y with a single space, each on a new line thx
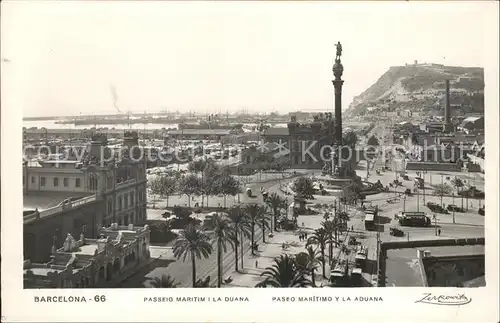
306 236
256 264
300 237
439 232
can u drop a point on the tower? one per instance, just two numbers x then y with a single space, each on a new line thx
448 126
338 69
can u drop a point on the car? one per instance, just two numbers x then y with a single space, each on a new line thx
481 211
396 232
437 208
454 208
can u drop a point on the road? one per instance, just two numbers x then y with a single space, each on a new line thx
457 225
165 262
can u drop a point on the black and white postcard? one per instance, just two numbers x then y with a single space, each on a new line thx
249 161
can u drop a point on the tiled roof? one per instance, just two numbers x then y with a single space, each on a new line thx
276 131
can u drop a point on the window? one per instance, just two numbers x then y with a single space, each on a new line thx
93 183
119 203
131 198
65 182
42 181
32 179
56 182
125 201
77 182
110 207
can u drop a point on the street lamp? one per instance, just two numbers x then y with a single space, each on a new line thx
435 224
423 186
442 192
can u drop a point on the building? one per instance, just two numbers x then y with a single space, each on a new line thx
201 134
79 196
432 263
297 138
92 263
472 124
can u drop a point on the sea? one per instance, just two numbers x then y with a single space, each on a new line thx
50 124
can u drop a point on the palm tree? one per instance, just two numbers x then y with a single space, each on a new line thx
320 238
331 228
240 226
313 259
253 212
165 281
223 235
343 218
192 242
264 220
275 203
284 273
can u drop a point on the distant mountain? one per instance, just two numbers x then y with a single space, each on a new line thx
420 87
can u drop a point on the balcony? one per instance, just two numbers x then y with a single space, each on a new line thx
63 206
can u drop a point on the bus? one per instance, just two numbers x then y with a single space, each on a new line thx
370 218
360 258
340 272
414 219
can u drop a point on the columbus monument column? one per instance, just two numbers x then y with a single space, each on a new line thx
338 69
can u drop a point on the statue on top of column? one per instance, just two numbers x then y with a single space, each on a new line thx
339 51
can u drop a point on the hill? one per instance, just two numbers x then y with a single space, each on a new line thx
420 87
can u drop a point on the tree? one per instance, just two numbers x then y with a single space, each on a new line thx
284 273
275 203
319 238
350 139
228 185
331 228
222 237
343 218
190 185
165 281
458 184
303 186
373 141
442 189
192 243
311 259
261 127
264 220
253 212
209 180
241 227
163 186
155 188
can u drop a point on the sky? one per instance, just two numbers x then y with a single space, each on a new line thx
205 57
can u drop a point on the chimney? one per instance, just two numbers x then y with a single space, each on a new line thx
447 111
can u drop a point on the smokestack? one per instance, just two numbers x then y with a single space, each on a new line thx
447 114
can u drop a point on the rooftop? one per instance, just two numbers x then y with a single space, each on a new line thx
200 132
404 269
47 200
86 249
276 131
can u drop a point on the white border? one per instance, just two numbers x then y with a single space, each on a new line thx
127 305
